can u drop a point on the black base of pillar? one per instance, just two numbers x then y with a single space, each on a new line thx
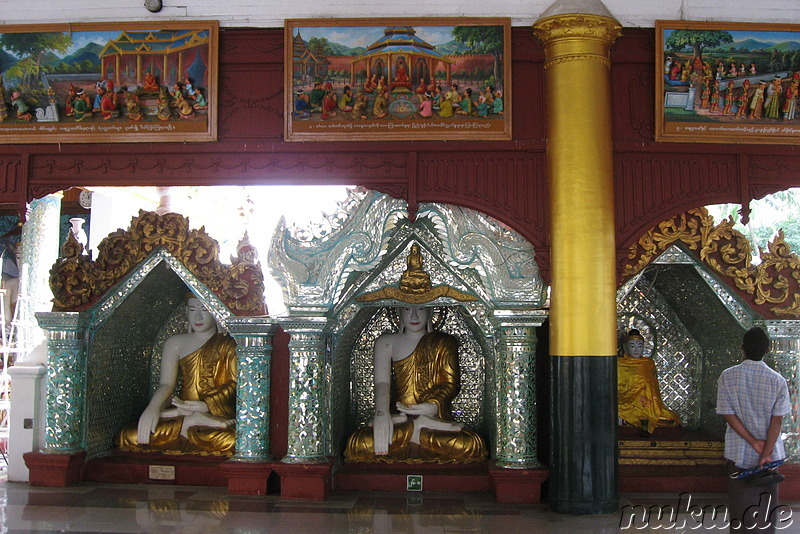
584 508
583 434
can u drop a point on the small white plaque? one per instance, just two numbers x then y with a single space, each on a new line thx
675 100
162 472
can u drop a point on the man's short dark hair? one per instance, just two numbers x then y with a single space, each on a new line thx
755 343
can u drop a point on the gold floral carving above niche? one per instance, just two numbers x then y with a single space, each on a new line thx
561 27
78 282
771 287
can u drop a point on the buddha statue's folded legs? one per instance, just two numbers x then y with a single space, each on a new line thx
422 366
435 446
201 418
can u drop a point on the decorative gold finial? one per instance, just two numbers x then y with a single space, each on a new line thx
415 280
245 252
415 286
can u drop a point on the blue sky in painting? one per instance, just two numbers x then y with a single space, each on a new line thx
763 36
364 36
81 39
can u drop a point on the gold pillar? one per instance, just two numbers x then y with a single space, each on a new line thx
583 465
579 157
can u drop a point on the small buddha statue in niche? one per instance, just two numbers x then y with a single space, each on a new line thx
638 394
414 279
416 378
201 418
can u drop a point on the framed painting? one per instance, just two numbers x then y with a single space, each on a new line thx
397 79
108 82
726 82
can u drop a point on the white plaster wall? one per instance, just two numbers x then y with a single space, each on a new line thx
272 13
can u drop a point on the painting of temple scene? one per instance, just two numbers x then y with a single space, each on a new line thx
727 82
372 80
115 83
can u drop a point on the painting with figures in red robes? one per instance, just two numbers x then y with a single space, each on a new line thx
727 82
386 79
108 82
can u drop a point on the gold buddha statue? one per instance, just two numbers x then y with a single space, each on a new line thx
201 419
638 395
414 279
416 377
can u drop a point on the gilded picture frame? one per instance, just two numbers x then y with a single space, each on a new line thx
109 82
727 82
393 79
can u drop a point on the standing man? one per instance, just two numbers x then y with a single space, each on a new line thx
753 399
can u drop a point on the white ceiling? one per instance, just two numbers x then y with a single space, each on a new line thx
272 13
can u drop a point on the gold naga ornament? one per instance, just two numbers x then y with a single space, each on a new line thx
78 282
773 284
415 286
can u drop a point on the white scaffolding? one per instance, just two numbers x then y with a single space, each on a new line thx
16 341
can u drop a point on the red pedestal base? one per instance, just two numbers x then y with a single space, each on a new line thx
394 477
673 479
54 470
696 479
247 478
306 482
789 489
151 468
518 486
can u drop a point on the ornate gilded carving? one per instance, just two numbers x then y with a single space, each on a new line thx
773 284
315 266
77 282
571 58
577 26
415 286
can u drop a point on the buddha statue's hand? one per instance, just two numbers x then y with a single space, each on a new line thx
434 423
170 412
204 419
189 407
382 429
423 408
147 424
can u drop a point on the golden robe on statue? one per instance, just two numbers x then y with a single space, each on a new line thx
429 374
209 375
638 394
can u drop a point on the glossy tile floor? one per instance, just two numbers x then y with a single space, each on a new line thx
185 509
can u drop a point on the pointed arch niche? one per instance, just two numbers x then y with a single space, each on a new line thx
332 334
692 288
110 320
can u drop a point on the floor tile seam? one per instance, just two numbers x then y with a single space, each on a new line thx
321 505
